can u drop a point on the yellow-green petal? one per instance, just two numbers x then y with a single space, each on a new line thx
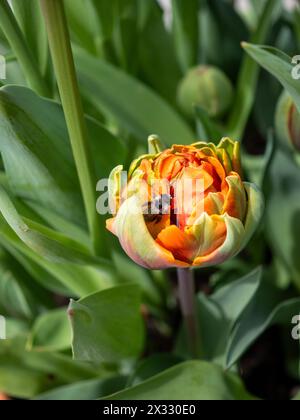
256 207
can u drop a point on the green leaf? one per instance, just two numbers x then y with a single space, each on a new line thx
249 72
152 366
51 332
297 397
47 243
83 23
16 299
34 144
21 50
219 313
279 65
16 328
107 326
282 184
136 108
255 321
29 17
188 381
66 279
157 55
234 297
85 390
130 272
26 374
207 129
186 32
221 24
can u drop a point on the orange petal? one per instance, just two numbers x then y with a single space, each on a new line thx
178 242
168 166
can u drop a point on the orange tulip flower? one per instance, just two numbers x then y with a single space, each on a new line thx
203 224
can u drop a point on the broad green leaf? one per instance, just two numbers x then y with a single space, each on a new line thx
234 297
33 145
249 72
219 313
220 24
51 332
29 17
255 321
83 22
282 184
16 328
26 374
85 391
188 381
158 63
47 243
15 300
66 279
135 107
107 326
207 129
279 65
186 32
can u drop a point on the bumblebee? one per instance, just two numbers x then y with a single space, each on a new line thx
156 209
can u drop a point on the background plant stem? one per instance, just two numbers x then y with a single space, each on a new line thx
186 285
60 47
249 73
18 44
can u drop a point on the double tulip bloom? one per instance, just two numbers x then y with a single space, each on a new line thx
186 206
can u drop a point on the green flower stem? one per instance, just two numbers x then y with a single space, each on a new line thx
60 47
249 72
18 44
187 300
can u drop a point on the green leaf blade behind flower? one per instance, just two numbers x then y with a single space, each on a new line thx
186 32
135 107
107 326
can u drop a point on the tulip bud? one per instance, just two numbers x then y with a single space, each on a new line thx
186 206
288 122
206 87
